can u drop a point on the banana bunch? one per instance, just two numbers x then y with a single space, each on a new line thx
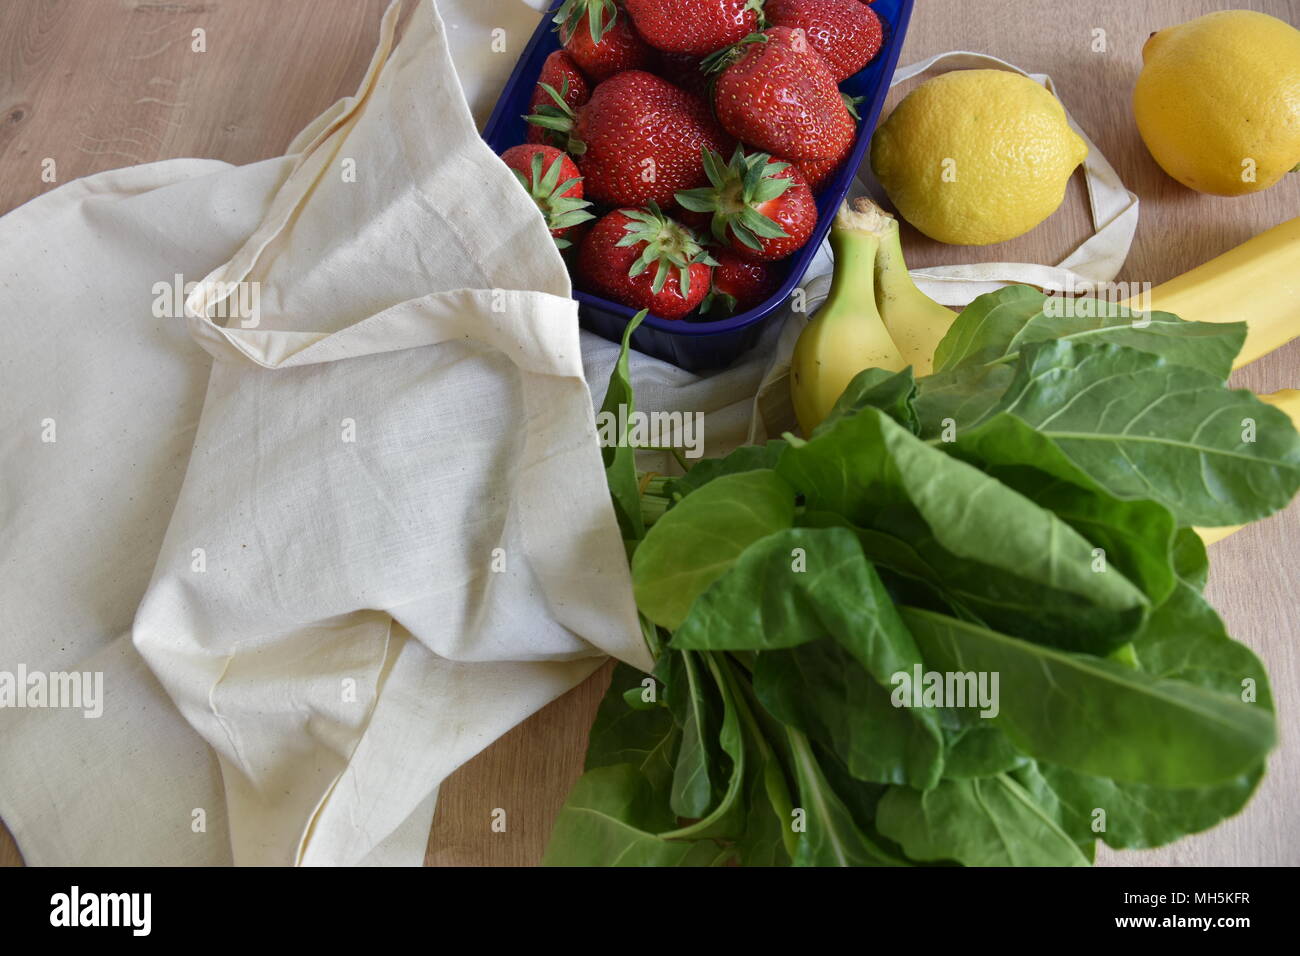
874 316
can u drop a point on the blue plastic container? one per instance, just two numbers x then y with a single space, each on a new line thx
688 344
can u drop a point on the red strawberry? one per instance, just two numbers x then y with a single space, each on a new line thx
600 37
760 206
846 33
552 180
684 71
694 27
645 260
561 74
638 139
817 172
739 284
778 94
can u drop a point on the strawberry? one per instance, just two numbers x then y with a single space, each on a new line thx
684 71
739 284
846 33
760 206
645 260
694 27
777 94
638 139
601 39
817 172
561 73
557 191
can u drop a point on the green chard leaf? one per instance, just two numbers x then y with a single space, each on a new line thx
1184 640
1135 535
695 704
998 326
795 586
1100 717
980 750
702 536
769 839
764 842
820 690
894 393
949 402
986 547
610 819
812 590
1144 428
644 737
831 836
744 458
987 821
620 458
727 819
983 330
1134 816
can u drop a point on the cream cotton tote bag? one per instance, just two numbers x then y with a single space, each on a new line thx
395 494
393 540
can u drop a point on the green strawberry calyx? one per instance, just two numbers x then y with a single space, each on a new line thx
668 245
738 189
719 60
851 103
561 211
559 118
600 16
718 301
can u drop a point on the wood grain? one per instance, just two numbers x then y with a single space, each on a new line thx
96 84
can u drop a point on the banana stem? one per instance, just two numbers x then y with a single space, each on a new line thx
915 322
855 245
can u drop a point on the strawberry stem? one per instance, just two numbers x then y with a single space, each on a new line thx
558 118
718 61
668 245
599 14
561 211
738 190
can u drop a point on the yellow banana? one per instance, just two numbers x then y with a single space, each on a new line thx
847 334
1258 283
915 321
1287 399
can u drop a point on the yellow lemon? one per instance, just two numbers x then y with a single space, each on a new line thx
976 156
1218 101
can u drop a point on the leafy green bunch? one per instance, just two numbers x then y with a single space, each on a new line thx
1026 511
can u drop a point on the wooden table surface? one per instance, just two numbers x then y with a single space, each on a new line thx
97 84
